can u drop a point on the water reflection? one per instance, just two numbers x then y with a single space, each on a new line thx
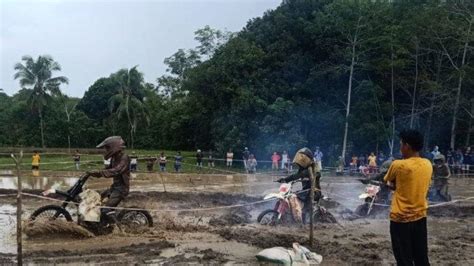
32 182
7 229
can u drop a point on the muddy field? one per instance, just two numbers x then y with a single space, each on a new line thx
232 236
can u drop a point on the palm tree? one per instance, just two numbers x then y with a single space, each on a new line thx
38 75
128 101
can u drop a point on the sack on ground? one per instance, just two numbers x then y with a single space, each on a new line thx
298 255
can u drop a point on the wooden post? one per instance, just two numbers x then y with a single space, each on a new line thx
311 195
18 209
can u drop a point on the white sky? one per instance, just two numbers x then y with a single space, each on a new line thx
91 39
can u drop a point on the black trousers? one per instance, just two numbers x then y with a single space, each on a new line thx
410 242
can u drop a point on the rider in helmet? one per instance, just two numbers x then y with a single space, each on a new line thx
303 160
384 193
119 170
441 174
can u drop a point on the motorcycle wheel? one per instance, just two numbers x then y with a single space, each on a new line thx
135 218
361 210
51 212
268 217
323 216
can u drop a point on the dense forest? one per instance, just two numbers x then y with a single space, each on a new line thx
343 75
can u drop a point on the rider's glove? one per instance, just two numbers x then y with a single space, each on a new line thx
94 173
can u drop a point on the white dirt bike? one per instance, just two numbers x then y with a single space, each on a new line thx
288 209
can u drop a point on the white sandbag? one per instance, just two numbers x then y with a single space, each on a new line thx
89 207
275 255
297 256
311 258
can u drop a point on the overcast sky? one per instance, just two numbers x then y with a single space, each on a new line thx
91 39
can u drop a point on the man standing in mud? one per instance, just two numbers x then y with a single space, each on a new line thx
411 179
119 170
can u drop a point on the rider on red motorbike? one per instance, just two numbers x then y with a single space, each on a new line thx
119 170
304 159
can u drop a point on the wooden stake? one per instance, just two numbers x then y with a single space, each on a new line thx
18 209
311 195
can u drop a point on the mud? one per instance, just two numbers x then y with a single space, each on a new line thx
232 236
232 217
54 229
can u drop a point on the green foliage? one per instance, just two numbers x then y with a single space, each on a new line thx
282 83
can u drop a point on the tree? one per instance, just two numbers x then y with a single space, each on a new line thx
127 102
38 75
350 20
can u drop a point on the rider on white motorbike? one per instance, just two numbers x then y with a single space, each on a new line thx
304 159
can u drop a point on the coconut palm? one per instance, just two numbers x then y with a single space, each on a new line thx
38 76
128 102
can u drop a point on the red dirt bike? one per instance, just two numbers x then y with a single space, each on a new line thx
375 198
288 208
123 218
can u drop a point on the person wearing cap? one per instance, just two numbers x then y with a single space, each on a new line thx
304 160
118 170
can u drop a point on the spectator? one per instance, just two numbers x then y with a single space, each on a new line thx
318 158
149 164
450 158
199 157
458 161
381 158
178 159
361 160
468 160
340 166
411 177
434 153
252 164
162 162
284 160
289 164
35 161
354 163
245 157
275 159
133 162
229 158
77 159
210 162
372 163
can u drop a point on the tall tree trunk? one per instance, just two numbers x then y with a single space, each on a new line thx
392 88
348 107
458 90
469 128
412 116
41 128
432 104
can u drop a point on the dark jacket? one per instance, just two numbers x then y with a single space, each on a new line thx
303 174
119 170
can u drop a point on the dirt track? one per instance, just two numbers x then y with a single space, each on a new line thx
232 236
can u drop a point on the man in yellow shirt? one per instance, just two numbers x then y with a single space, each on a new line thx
35 161
411 178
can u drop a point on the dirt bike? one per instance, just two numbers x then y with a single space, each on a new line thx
288 209
375 200
123 218
435 196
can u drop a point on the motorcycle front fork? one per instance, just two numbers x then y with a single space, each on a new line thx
371 204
